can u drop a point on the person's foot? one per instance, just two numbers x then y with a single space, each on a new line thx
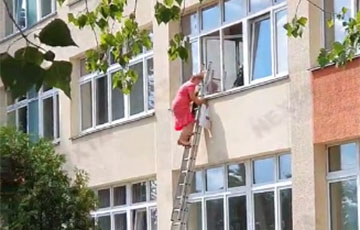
184 143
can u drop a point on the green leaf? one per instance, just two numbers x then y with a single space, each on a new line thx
179 2
56 33
330 23
59 76
323 59
30 54
344 10
302 21
49 56
169 2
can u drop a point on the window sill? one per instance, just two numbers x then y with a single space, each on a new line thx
113 125
13 35
317 68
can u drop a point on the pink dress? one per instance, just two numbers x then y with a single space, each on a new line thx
181 106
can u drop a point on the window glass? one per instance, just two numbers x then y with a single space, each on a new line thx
101 100
34 120
139 219
31 13
344 205
120 221
153 218
48 118
20 12
279 1
285 166
215 214
57 116
286 209
150 76
32 93
236 175
264 211
196 185
45 7
210 18
86 105
214 179
211 55
195 216
117 103
104 198
153 190
257 5
23 121
191 66
281 42
137 92
139 192
190 24
104 223
120 195
233 57
234 9
9 27
342 157
237 213
11 119
263 170
261 49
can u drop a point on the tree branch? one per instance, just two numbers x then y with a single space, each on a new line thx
92 26
316 6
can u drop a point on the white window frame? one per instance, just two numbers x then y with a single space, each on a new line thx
91 77
147 205
198 36
40 97
248 190
341 176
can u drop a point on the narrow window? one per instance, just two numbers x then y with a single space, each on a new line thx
234 9
153 218
137 92
104 223
46 7
195 216
210 18
120 221
286 209
23 119
264 211
237 212
236 175
196 185
190 24
86 106
191 66
31 13
101 100
48 118
285 167
20 12
117 103
153 190
344 205
263 170
57 116
256 5
342 157
261 48
214 179
34 119
215 214
9 27
150 78
139 219
281 43
104 198
119 195
139 192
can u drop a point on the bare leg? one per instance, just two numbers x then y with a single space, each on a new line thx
185 135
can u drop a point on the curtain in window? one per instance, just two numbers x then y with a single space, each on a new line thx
140 220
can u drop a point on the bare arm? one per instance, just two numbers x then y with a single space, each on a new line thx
197 100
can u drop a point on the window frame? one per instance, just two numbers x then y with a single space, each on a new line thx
113 68
342 176
40 96
198 35
248 190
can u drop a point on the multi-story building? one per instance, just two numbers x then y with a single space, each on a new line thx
284 149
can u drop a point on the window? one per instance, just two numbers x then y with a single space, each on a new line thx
103 105
240 196
127 207
343 176
36 113
27 13
252 48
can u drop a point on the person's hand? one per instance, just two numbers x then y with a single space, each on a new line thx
204 101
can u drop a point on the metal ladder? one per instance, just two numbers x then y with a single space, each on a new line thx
180 212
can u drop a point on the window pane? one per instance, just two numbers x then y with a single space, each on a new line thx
153 190
191 66
139 192
120 195
104 223
214 179
342 157
86 106
20 12
261 49
48 118
210 18
45 7
234 9
120 221
286 209
58 116
101 100
104 198
31 12
117 103
233 57
190 24
34 120
32 92
211 54
257 5
263 170
23 119
139 219
154 219
281 42
137 92
9 29
150 76
237 212
215 214
264 211
285 166
196 185
11 119
195 216
236 175
344 205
